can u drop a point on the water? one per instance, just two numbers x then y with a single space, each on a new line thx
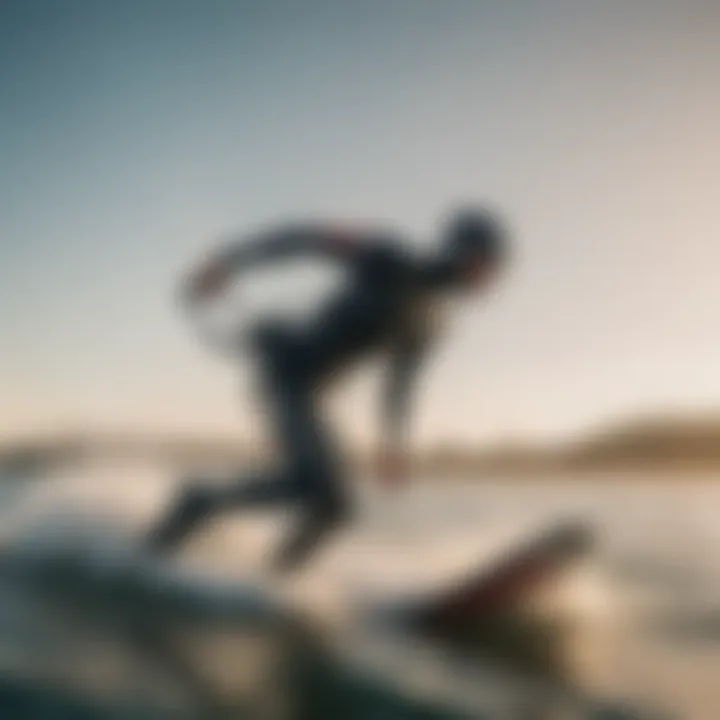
639 626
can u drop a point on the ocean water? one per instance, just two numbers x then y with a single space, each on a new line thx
633 632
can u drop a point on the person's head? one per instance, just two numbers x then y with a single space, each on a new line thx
473 247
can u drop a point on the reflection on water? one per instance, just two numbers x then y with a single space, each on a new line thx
640 627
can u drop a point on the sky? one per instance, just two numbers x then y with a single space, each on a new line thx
133 134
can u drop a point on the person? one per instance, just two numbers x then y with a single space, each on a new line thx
385 308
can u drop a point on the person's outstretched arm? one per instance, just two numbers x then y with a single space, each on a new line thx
318 239
283 243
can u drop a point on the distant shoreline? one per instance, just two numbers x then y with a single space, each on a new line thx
32 459
672 474
658 446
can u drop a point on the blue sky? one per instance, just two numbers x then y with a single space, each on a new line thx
132 134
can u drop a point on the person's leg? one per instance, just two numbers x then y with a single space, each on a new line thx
198 502
314 482
318 521
310 475
319 476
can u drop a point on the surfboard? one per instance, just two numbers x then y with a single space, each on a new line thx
120 574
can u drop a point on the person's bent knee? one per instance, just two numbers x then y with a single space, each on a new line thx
201 499
334 510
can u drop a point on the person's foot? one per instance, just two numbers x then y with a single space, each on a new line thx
193 506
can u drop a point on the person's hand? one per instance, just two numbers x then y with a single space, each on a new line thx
206 282
392 467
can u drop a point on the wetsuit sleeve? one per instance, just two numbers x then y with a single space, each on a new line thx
291 242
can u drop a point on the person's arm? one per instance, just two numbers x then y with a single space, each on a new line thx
293 241
397 407
275 245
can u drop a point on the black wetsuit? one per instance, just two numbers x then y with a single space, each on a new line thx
384 307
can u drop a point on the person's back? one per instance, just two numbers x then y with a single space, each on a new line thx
370 312
379 309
